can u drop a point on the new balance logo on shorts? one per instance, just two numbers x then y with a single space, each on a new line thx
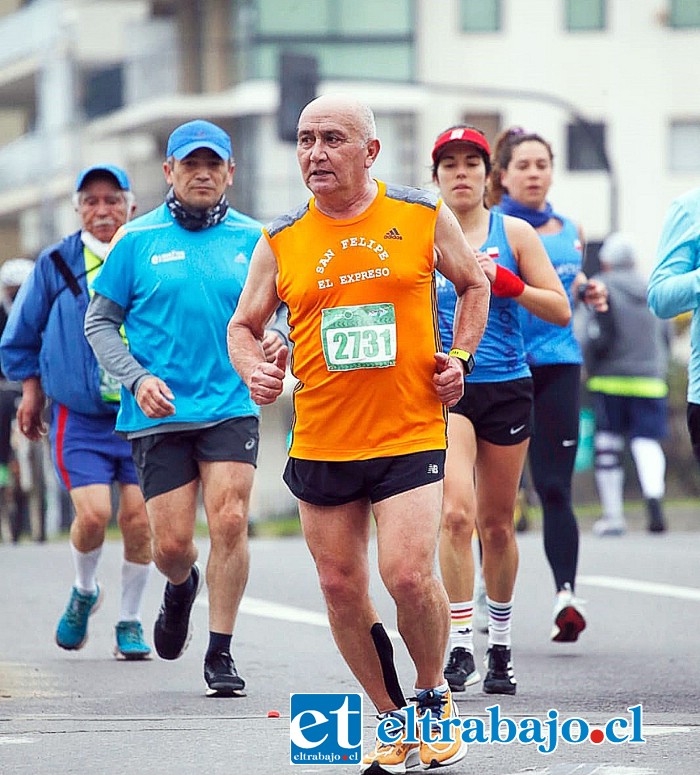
325 728
433 468
393 234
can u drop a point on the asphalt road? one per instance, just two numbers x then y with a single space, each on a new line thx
85 712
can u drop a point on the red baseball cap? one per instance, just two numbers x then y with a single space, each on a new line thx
460 134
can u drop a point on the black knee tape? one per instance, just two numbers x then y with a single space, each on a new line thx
385 651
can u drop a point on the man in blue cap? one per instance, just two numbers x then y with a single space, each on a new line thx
43 346
173 278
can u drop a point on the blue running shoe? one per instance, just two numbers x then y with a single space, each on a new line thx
71 633
130 642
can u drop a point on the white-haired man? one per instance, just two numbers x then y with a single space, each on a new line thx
44 347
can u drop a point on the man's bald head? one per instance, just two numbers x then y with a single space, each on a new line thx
347 110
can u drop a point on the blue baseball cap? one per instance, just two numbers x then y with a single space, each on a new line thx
116 172
199 134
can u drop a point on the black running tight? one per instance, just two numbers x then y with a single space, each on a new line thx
552 455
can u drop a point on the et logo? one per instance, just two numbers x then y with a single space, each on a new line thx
325 728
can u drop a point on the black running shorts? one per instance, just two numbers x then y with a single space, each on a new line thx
336 483
166 461
501 412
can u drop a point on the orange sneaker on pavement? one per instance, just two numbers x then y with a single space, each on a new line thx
390 758
436 754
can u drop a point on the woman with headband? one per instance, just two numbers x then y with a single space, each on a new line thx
489 428
519 183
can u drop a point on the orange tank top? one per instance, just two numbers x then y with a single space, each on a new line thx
362 313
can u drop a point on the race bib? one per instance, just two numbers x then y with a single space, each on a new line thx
110 388
360 337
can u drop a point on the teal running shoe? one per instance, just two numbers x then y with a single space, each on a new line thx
130 642
71 633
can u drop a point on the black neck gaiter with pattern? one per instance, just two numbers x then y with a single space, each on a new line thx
196 220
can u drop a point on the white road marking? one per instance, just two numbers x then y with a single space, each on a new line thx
254 606
15 740
659 731
645 587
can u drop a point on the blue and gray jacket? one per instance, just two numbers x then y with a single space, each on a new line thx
44 333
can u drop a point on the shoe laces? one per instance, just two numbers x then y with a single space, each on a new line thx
221 660
498 661
430 700
130 633
456 658
79 608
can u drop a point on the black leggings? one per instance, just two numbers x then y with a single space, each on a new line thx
10 393
693 416
552 456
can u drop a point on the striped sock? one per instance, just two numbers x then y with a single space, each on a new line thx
499 622
461 633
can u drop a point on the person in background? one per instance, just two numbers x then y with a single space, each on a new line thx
519 184
673 289
489 428
44 348
355 266
13 273
626 357
173 278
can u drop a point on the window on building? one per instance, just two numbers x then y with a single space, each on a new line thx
585 15
103 91
684 13
342 59
480 15
489 123
585 141
684 153
311 17
348 37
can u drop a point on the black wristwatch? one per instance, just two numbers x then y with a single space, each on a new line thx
466 357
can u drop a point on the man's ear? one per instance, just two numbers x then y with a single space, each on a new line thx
373 147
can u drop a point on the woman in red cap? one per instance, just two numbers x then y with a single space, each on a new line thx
489 428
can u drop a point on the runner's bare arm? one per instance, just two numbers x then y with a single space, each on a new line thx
543 294
458 263
246 328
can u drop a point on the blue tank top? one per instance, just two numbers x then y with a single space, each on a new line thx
500 355
546 343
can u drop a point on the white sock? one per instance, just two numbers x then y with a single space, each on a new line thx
85 568
499 622
610 483
134 579
461 632
609 475
650 461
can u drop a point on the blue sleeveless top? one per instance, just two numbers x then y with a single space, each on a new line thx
545 342
500 355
